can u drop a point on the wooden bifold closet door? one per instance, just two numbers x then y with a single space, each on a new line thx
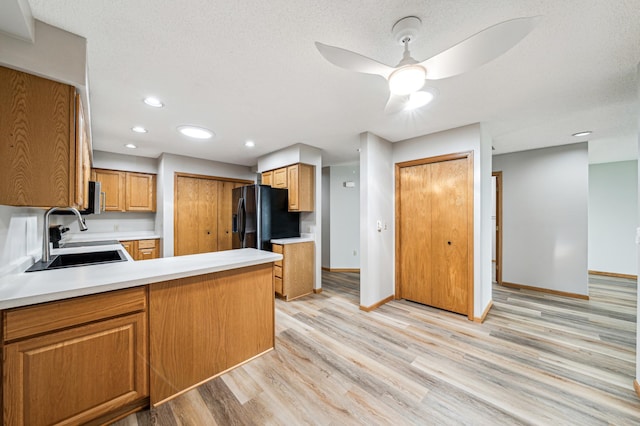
434 216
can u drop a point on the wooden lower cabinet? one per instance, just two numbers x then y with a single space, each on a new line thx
142 249
205 325
293 275
96 370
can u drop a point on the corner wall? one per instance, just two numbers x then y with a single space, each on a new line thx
344 221
545 226
377 266
613 217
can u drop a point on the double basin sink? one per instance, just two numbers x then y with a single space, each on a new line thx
69 260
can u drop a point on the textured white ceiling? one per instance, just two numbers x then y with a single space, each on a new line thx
249 70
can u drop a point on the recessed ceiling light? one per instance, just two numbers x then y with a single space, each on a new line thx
420 99
139 129
130 146
249 144
585 133
154 102
195 132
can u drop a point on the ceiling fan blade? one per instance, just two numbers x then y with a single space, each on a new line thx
353 61
395 104
479 49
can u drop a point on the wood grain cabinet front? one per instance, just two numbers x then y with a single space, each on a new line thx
75 361
127 191
293 275
204 325
299 180
267 178
142 249
44 142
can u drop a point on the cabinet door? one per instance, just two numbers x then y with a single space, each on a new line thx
113 186
78 374
267 178
292 172
130 247
140 192
280 178
38 154
148 249
301 187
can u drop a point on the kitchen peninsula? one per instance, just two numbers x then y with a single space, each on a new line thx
94 343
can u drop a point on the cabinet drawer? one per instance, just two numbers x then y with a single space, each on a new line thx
277 248
277 271
278 285
31 320
146 244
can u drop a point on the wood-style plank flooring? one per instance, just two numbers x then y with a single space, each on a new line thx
538 359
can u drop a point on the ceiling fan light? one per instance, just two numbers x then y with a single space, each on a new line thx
407 80
419 99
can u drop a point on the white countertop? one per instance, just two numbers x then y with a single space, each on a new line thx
28 288
100 236
292 240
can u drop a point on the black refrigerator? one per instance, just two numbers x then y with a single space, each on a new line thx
261 214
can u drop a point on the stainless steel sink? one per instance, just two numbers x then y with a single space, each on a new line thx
70 260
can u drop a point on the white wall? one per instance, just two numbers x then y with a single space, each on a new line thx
168 165
326 211
613 217
376 204
310 222
128 163
638 251
20 238
545 200
469 138
344 217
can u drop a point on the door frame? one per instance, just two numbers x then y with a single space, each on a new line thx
498 229
468 155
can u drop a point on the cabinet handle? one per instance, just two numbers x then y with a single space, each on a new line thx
449 242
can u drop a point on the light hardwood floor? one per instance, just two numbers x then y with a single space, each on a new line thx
538 359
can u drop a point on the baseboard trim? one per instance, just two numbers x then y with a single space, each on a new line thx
377 304
614 275
484 314
636 386
317 290
546 290
341 269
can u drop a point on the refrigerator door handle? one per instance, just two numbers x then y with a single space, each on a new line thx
241 220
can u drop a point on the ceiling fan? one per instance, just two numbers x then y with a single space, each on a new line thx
407 79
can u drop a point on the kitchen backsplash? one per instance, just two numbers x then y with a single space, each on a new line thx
20 237
110 222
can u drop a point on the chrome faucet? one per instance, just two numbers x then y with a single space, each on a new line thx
46 253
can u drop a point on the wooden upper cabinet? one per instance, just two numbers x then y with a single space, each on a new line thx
301 187
113 186
127 191
42 144
140 192
280 178
267 178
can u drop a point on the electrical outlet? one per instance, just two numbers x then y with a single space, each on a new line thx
355 252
